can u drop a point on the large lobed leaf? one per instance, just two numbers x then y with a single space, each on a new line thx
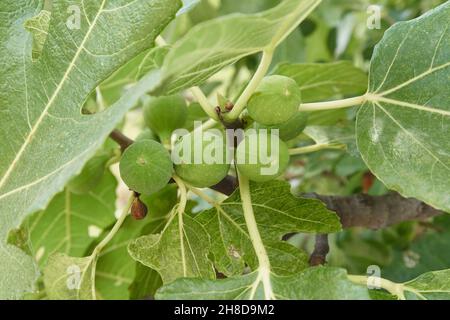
301 286
180 250
277 213
403 128
44 138
213 45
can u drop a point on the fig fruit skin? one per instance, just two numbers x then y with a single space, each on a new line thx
275 101
254 171
165 114
195 113
290 129
202 175
146 134
146 167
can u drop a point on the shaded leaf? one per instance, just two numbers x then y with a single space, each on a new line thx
334 136
202 53
116 270
324 81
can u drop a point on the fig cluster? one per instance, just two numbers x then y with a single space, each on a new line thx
203 159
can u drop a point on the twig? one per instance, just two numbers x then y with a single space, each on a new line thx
321 249
121 139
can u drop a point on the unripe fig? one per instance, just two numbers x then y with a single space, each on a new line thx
261 156
138 209
201 160
290 129
146 167
275 101
90 176
146 134
195 113
163 115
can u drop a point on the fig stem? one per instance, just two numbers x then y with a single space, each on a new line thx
331 105
314 148
255 237
203 196
98 249
116 226
262 70
396 289
122 140
204 103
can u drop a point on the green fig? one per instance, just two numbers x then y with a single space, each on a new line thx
201 161
290 129
163 115
275 101
261 156
146 167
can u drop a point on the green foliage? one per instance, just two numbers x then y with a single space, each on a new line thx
90 176
187 64
180 250
278 211
357 110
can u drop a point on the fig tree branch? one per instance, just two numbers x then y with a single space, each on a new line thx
331 105
122 140
377 212
361 210
321 249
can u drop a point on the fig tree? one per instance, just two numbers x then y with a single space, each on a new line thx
163 115
201 160
146 167
261 156
275 101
